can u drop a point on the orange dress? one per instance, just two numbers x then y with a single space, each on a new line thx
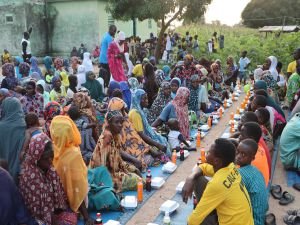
261 163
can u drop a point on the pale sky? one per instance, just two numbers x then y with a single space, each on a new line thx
227 11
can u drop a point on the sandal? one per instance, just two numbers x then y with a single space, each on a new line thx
286 198
297 186
291 220
293 212
270 219
276 191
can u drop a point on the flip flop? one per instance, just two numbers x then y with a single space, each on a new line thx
270 219
286 198
276 191
297 186
293 212
291 220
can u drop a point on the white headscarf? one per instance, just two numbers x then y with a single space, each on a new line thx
81 76
273 66
87 62
258 73
121 37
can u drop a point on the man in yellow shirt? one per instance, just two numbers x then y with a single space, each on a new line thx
225 192
292 66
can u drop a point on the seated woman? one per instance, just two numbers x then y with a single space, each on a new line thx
177 108
69 164
58 92
93 86
139 121
175 84
12 212
51 110
140 153
289 144
107 153
162 99
40 184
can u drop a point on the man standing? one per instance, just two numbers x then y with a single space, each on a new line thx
26 49
106 40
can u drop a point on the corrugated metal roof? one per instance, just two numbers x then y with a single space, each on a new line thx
280 28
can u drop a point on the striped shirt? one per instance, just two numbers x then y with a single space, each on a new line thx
255 184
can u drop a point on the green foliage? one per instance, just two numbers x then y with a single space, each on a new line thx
260 13
238 39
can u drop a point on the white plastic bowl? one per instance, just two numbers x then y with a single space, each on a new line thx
225 135
112 222
237 116
186 154
204 128
214 122
236 98
129 202
180 186
157 182
169 167
169 206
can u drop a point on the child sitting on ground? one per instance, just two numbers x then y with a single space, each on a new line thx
175 137
253 179
33 128
82 126
263 116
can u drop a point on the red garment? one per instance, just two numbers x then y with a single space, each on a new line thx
115 63
180 103
42 191
185 72
267 151
33 104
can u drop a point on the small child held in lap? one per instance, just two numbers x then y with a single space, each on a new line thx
82 126
253 180
175 137
33 128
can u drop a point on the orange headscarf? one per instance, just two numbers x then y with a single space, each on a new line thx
68 160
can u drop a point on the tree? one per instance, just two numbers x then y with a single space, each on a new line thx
163 11
259 13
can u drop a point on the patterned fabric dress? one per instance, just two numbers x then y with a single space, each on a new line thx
33 104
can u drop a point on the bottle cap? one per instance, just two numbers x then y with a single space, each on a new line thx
149 171
98 214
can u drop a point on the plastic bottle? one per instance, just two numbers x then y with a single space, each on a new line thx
174 156
198 139
148 181
209 121
140 191
238 110
232 116
225 103
167 219
232 127
203 158
98 220
181 152
232 97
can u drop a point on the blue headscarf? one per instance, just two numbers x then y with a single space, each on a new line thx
126 93
113 85
167 71
19 60
136 104
48 63
35 67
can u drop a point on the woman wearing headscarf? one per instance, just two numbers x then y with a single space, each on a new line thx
40 185
69 164
10 81
166 69
159 77
175 84
66 64
93 86
113 85
107 153
89 136
162 99
177 108
48 64
140 123
262 85
115 55
51 110
131 141
41 88
24 70
73 80
12 212
74 64
34 67
150 86
58 92
32 101
126 93
12 133
18 60
87 62
271 64
60 71
81 76
133 84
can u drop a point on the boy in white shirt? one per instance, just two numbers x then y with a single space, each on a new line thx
244 63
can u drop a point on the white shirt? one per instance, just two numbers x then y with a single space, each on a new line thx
173 138
169 44
28 48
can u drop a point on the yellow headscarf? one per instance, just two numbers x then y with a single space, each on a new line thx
68 160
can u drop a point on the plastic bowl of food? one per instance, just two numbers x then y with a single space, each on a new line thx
169 167
129 202
169 206
157 182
